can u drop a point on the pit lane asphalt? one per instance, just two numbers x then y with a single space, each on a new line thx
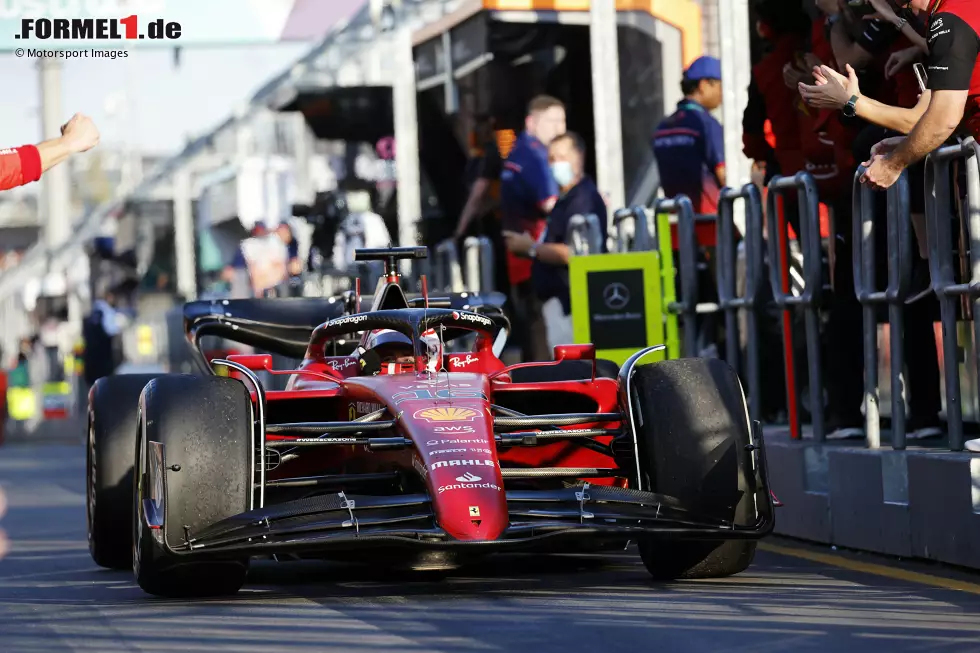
53 598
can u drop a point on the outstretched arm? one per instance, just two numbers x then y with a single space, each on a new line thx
23 165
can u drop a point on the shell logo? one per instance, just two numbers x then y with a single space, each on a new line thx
446 414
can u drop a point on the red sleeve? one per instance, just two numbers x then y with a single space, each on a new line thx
19 166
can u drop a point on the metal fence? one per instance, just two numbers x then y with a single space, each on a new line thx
940 209
808 300
749 304
899 246
585 235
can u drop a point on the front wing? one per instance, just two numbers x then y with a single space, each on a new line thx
335 522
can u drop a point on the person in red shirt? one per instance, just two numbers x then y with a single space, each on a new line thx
783 27
25 164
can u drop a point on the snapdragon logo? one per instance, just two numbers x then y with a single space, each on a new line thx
472 317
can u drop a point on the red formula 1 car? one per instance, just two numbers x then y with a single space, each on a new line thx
404 454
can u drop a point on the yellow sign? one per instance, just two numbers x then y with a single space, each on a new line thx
617 303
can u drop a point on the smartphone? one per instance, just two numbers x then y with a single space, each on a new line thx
921 76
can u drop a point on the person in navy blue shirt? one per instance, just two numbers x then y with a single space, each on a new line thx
528 192
689 145
550 253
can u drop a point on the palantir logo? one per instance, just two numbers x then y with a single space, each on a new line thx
469 478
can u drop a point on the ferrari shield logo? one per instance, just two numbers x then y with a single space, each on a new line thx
474 511
446 414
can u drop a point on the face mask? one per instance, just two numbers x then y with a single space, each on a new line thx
562 172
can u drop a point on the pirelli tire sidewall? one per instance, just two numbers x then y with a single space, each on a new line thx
204 424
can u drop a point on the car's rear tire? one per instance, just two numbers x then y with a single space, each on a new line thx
204 425
112 430
692 431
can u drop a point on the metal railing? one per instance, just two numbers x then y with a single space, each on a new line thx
728 300
688 308
939 216
476 274
478 254
447 275
584 235
633 230
808 300
864 260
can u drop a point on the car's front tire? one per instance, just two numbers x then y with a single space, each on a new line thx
112 429
205 427
693 429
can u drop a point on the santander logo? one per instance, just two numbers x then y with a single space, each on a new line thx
468 478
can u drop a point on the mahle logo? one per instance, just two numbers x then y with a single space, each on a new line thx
462 463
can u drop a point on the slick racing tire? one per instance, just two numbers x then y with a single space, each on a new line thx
112 429
692 433
205 427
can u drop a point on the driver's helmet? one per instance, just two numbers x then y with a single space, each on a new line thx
390 346
433 348
394 348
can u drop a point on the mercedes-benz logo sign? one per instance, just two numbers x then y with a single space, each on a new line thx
616 296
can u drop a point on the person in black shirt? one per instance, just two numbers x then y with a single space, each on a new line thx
549 274
483 178
480 216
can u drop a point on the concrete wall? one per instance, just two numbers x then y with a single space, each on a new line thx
920 504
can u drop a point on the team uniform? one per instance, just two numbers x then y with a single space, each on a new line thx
954 47
690 148
551 281
527 187
19 166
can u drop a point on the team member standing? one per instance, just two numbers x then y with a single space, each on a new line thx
528 192
689 145
579 196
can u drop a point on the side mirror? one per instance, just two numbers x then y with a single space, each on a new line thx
254 362
575 352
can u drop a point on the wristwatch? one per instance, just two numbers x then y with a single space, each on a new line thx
850 109
533 252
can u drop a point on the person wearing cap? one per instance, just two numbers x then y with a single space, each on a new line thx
689 144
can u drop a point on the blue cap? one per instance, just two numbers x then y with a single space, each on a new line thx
703 68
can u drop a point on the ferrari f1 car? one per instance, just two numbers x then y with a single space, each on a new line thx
404 454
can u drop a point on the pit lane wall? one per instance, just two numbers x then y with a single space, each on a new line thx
913 504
